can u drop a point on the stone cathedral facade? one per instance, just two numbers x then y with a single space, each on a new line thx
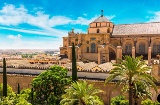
106 41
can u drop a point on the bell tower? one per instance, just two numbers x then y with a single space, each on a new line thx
101 25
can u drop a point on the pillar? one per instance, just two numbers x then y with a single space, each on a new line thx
107 56
133 52
118 53
149 55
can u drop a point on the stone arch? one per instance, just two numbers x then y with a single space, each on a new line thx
115 43
127 46
156 47
112 47
112 52
141 43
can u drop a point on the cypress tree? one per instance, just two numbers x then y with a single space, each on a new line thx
74 65
18 89
31 95
4 78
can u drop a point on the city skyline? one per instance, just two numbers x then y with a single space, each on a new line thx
42 24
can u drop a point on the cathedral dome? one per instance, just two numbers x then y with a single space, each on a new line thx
101 19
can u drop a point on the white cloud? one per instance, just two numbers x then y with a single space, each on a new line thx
155 17
17 42
18 37
39 32
10 15
85 14
59 20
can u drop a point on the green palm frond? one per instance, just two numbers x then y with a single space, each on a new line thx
111 77
80 92
135 71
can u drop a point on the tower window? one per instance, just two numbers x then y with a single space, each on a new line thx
98 30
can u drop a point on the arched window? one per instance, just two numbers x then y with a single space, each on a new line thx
128 48
156 48
141 48
98 30
93 48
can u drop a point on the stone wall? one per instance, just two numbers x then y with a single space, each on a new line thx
109 90
13 80
24 80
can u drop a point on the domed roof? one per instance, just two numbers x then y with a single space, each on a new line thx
101 19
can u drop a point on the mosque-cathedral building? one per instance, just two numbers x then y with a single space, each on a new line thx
106 41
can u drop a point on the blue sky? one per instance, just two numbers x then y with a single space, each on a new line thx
41 24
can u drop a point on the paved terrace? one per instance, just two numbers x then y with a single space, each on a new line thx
81 75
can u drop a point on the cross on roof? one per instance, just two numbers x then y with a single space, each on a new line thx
101 13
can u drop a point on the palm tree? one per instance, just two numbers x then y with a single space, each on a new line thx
81 93
140 90
129 71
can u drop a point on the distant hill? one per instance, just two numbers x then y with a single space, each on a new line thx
24 51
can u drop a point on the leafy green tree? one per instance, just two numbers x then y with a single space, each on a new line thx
129 71
26 94
74 65
119 100
149 102
81 93
50 85
12 98
9 91
4 78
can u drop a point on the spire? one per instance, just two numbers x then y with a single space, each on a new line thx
101 18
101 13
